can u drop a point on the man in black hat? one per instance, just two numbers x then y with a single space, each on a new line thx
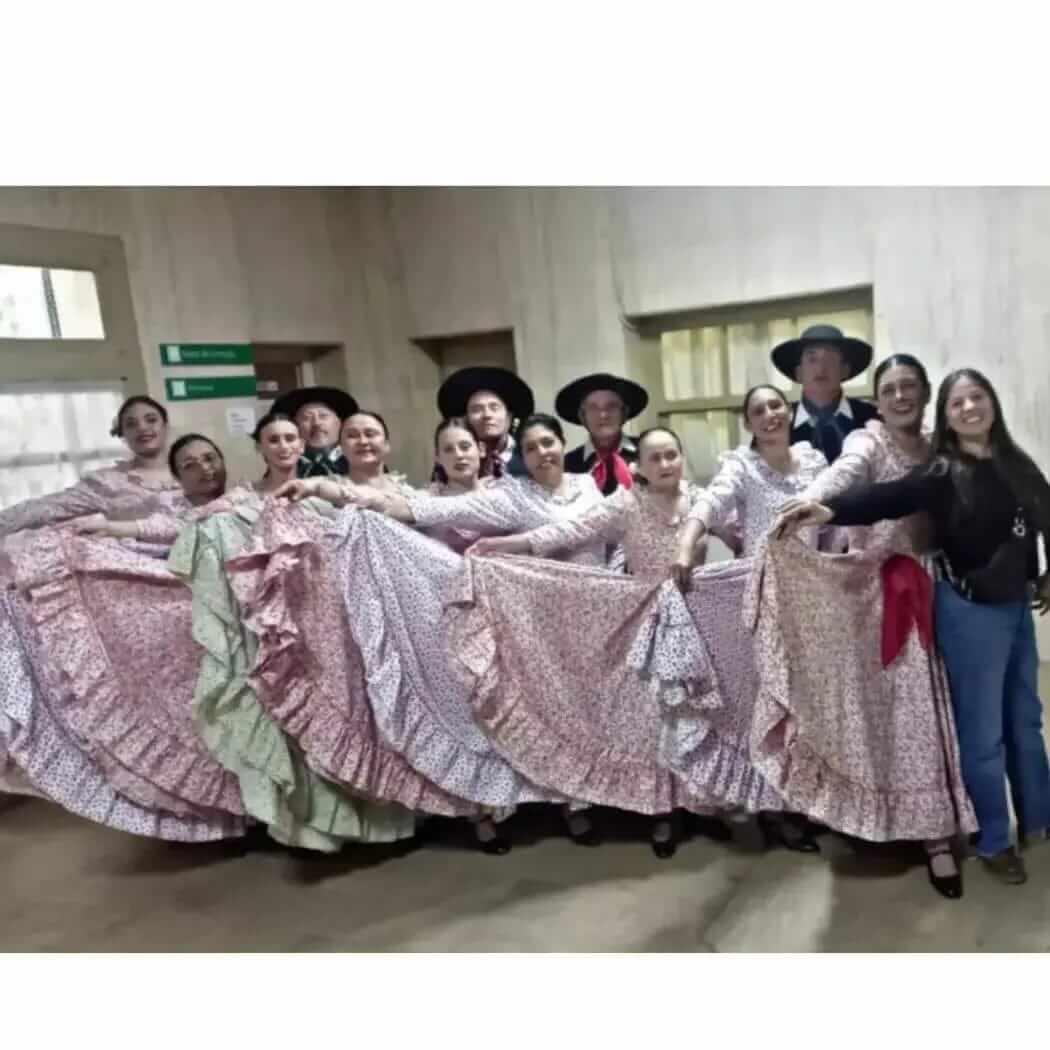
602 403
490 399
820 361
318 412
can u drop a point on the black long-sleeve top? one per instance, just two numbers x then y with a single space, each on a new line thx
968 537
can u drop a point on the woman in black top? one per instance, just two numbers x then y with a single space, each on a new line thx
989 503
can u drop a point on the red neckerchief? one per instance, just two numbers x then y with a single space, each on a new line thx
611 461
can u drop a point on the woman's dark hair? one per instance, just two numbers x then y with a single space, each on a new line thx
449 423
182 442
639 477
117 430
901 361
539 419
374 415
657 430
1014 465
270 417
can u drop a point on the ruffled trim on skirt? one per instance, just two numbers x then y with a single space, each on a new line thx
406 690
592 768
282 571
60 770
809 782
145 760
714 756
298 806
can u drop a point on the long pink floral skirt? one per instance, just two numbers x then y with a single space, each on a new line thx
866 749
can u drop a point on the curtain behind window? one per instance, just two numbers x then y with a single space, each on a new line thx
50 438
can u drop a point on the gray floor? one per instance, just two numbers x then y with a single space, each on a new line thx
67 885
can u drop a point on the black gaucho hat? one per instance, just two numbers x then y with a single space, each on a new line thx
855 352
512 390
339 401
570 398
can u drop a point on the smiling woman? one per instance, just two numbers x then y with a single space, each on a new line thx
989 503
133 488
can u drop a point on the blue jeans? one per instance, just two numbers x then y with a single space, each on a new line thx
993 667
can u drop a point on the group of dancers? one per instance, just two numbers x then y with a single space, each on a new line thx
330 654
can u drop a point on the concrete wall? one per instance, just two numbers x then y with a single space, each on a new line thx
212 265
959 276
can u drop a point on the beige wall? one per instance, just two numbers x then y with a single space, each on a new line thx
959 276
212 265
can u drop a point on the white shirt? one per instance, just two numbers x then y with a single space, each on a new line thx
802 416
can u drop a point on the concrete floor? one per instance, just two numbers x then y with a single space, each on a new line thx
68 885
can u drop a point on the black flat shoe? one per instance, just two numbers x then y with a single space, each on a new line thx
713 828
792 835
664 848
495 847
949 886
589 837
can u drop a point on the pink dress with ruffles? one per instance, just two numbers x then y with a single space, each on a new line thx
866 749
112 629
747 492
55 761
553 651
115 491
309 673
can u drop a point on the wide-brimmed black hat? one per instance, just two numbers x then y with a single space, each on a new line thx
511 389
570 398
855 352
339 401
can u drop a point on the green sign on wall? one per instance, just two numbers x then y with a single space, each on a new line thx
206 354
217 386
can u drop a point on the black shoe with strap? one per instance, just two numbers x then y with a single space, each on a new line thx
666 847
949 886
789 830
587 837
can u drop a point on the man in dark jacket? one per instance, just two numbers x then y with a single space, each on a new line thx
602 403
492 400
318 412
820 361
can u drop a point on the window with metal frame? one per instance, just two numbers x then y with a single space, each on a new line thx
38 302
710 359
50 437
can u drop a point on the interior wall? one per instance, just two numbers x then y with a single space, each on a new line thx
212 265
960 276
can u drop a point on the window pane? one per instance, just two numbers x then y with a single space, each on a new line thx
692 363
49 439
749 349
76 296
705 436
23 307
48 304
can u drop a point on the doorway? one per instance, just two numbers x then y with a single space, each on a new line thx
283 367
473 349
